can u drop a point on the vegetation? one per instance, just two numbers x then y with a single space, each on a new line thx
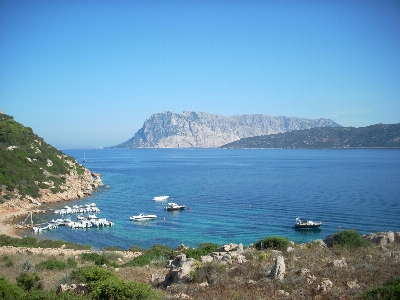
369 273
28 163
156 253
32 242
202 250
273 242
53 264
350 238
374 136
388 291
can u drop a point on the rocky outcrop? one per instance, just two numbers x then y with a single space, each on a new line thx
204 130
279 269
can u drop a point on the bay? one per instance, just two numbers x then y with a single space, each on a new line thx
236 195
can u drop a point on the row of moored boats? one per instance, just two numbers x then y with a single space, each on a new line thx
91 220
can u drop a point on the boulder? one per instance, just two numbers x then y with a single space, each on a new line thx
307 274
279 269
325 285
338 263
383 238
179 269
206 259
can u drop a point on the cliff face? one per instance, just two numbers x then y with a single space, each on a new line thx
203 130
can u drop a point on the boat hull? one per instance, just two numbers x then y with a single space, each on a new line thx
297 226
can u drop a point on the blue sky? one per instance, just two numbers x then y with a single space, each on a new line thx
86 74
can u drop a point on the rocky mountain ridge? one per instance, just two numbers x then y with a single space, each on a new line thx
204 130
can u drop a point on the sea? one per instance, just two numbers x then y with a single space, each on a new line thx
234 195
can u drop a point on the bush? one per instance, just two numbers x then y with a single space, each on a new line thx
157 252
273 242
29 281
91 274
98 259
117 289
54 264
388 291
203 249
350 239
10 291
7 261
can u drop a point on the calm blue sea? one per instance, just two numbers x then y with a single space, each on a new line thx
237 196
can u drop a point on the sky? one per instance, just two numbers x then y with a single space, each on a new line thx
87 74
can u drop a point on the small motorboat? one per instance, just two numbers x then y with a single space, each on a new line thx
173 206
143 217
307 224
160 198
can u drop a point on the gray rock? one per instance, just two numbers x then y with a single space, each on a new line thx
279 269
204 130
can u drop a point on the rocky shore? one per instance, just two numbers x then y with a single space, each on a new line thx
76 186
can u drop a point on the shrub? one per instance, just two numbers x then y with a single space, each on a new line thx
203 249
51 264
157 252
98 259
91 274
273 242
29 281
117 289
9 290
7 261
388 291
350 238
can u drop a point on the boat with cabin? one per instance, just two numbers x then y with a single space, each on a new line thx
306 224
173 206
143 217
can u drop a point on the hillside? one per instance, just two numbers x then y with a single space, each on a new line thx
204 130
34 171
374 136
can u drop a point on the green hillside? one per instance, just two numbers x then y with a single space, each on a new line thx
28 163
374 136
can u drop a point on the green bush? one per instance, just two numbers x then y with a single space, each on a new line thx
29 281
202 250
98 259
53 264
388 291
91 274
116 289
10 291
350 239
157 252
273 242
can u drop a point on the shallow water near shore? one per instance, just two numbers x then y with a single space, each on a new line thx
235 196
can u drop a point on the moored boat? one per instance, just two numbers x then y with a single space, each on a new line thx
306 224
173 206
143 217
160 198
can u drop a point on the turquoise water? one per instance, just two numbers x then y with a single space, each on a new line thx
237 196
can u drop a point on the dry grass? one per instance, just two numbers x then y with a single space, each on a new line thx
366 268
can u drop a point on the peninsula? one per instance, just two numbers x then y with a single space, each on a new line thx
33 173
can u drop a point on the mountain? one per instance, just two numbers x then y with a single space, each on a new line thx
33 171
374 136
204 130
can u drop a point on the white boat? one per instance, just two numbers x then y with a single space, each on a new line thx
173 206
143 217
307 224
160 198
